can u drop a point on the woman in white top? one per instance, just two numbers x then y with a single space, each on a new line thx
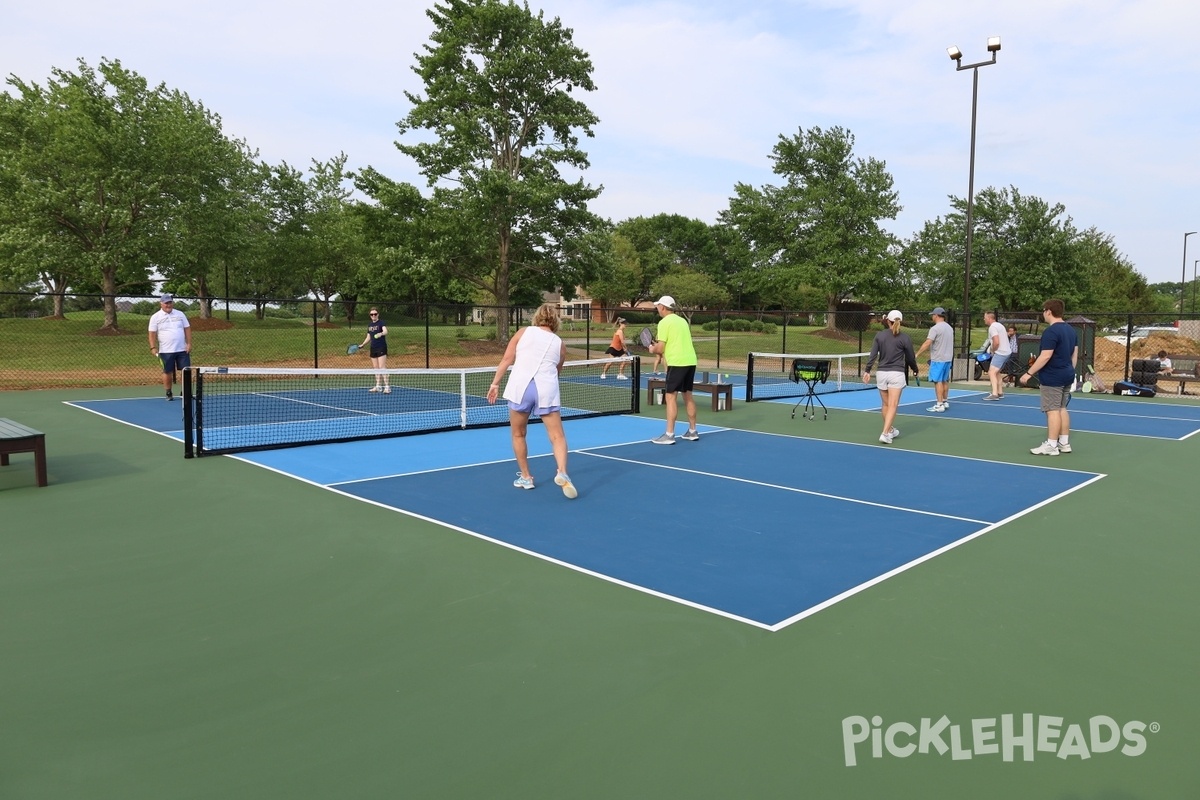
536 355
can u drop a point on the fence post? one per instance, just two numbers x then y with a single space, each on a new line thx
718 340
316 346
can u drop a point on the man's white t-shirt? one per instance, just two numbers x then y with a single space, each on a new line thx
169 327
998 330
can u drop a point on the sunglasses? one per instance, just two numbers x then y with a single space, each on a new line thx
374 313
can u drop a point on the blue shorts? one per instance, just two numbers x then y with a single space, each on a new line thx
998 362
939 371
528 404
175 361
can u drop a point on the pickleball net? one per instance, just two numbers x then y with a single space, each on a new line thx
242 409
769 375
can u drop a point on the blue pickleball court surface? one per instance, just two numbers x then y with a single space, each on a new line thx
762 528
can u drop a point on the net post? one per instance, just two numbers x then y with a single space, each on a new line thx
636 384
188 442
462 408
198 410
750 377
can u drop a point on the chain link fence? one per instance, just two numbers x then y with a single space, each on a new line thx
42 349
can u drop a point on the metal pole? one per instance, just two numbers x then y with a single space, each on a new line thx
1194 263
966 338
1183 277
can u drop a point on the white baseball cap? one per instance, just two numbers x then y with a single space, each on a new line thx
894 315
666 300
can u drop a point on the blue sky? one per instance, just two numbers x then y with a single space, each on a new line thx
1091 104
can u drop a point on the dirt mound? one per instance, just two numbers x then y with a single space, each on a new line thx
209 324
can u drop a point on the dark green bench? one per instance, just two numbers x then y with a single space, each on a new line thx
17 438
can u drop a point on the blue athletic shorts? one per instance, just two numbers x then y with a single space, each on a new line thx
939 371
175 361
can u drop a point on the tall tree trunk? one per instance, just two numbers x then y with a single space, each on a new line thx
109 286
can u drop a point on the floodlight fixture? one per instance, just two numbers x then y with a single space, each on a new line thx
993 44
955 53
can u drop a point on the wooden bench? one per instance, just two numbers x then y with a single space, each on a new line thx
1183 370
714 389
17 438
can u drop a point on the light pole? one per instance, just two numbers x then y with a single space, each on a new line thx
1183 275
1194 263
993 46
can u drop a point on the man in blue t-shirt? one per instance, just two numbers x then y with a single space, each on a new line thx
1055 368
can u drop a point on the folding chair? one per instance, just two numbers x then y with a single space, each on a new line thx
810 372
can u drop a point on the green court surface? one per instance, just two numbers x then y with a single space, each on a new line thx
210 629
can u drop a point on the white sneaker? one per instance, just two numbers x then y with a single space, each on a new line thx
603 377
666 438
1045 449
886 438
522 482
1063 447
375 389
894 433
945 405
563 480
621 377
936 408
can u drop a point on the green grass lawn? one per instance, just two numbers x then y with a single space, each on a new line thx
56 352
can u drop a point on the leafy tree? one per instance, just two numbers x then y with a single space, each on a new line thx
618 272
1024 250
333 237
822 226
498 102
97 168
1113 283
692 290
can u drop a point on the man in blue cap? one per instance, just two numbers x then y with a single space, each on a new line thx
170 340
940 344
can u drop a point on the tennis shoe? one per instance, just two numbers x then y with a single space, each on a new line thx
622 378
691 436
522 482
1045 449
992 397
170 396
603 377
894 433
936 408
1063 447
666 438
886 438
563 480
387 390
375 389
945 405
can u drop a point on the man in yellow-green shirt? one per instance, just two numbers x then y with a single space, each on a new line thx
675 345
